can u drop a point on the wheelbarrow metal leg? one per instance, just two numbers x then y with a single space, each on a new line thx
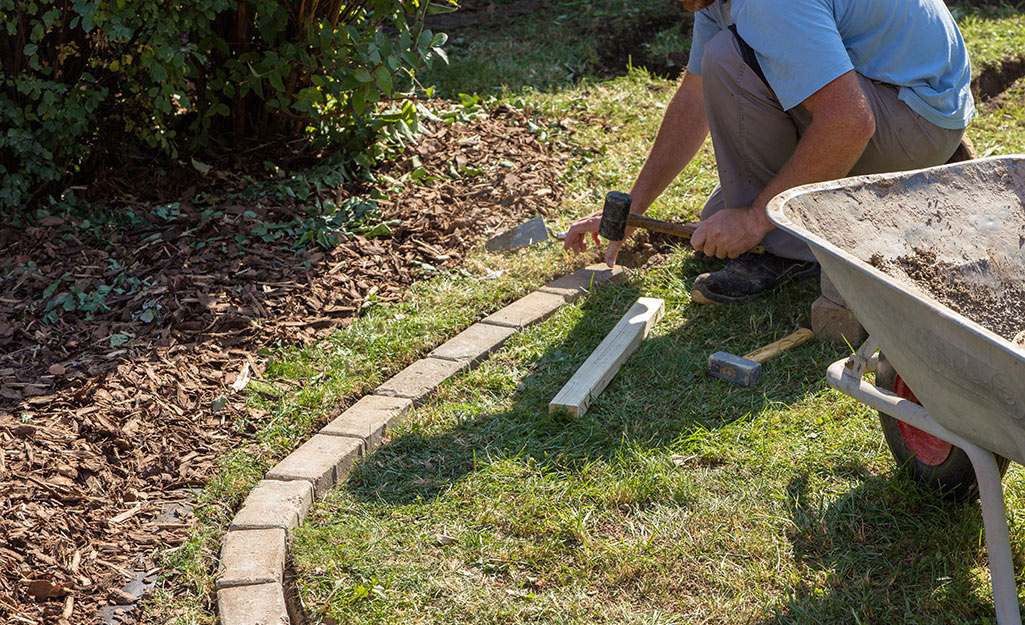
998 540
845 376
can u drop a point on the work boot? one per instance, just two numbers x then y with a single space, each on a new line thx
749 276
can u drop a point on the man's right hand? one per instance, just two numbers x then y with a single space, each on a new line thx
576 237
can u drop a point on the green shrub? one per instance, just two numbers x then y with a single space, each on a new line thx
194 73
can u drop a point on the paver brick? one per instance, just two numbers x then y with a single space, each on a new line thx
580 281
474 344
527 310
274 503
250 557
263 604
419 380
829 291
322 460
836 323
368 419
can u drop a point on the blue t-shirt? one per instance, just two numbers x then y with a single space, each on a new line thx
803 45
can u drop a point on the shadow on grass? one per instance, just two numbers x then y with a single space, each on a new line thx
661 396
888 551
526 45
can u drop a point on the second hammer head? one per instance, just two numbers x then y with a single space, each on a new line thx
614 215
733 368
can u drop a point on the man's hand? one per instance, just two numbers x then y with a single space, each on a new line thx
576 237
730 232
842 125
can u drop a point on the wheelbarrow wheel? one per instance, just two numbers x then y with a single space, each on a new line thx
933 461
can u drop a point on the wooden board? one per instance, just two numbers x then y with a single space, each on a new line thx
604 362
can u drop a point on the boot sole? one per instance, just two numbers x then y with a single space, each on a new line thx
698 297
708 299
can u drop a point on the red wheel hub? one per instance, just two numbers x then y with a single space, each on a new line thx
926 448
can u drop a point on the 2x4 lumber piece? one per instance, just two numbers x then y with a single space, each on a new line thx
602 365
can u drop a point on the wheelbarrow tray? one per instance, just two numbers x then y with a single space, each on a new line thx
971 380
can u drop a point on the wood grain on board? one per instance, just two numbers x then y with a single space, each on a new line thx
604 362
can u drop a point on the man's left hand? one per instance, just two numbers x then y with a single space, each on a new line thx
730 232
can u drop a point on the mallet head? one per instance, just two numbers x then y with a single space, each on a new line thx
614 215
733 368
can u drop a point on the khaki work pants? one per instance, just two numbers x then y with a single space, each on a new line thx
753 136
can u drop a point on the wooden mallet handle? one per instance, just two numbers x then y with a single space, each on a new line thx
772 350
684 231
616 218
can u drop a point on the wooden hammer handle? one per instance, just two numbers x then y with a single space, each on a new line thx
684 231
772 350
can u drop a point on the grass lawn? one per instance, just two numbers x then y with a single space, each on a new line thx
677 498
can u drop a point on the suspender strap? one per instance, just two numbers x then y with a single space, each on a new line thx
748 54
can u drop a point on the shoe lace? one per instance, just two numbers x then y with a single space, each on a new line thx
747 260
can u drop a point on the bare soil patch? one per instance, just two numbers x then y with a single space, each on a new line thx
626 43
991 84
105 418
1011 94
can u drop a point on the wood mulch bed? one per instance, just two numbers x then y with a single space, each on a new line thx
106 419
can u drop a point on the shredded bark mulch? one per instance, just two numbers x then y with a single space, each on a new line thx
108 414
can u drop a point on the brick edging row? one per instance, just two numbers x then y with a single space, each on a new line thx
250 587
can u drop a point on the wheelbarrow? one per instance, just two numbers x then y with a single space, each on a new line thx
967 407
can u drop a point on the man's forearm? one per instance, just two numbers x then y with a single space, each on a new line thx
830 146
819 156
842 125
683 131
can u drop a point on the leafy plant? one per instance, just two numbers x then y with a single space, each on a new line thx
326 224
168 212
200 72
75 298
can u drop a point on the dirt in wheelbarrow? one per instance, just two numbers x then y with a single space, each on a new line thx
996 304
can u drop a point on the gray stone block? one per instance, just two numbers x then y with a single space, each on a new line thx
274 504
263 604
250 557
527 310
322 460
419 380
369 419
581 281
829 291
474 344
836 323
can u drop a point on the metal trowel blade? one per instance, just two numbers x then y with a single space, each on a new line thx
522 235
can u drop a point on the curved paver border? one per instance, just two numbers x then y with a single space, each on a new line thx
250 587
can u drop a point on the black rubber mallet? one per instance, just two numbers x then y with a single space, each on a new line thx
616 217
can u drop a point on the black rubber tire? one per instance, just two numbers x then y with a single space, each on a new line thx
954 478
